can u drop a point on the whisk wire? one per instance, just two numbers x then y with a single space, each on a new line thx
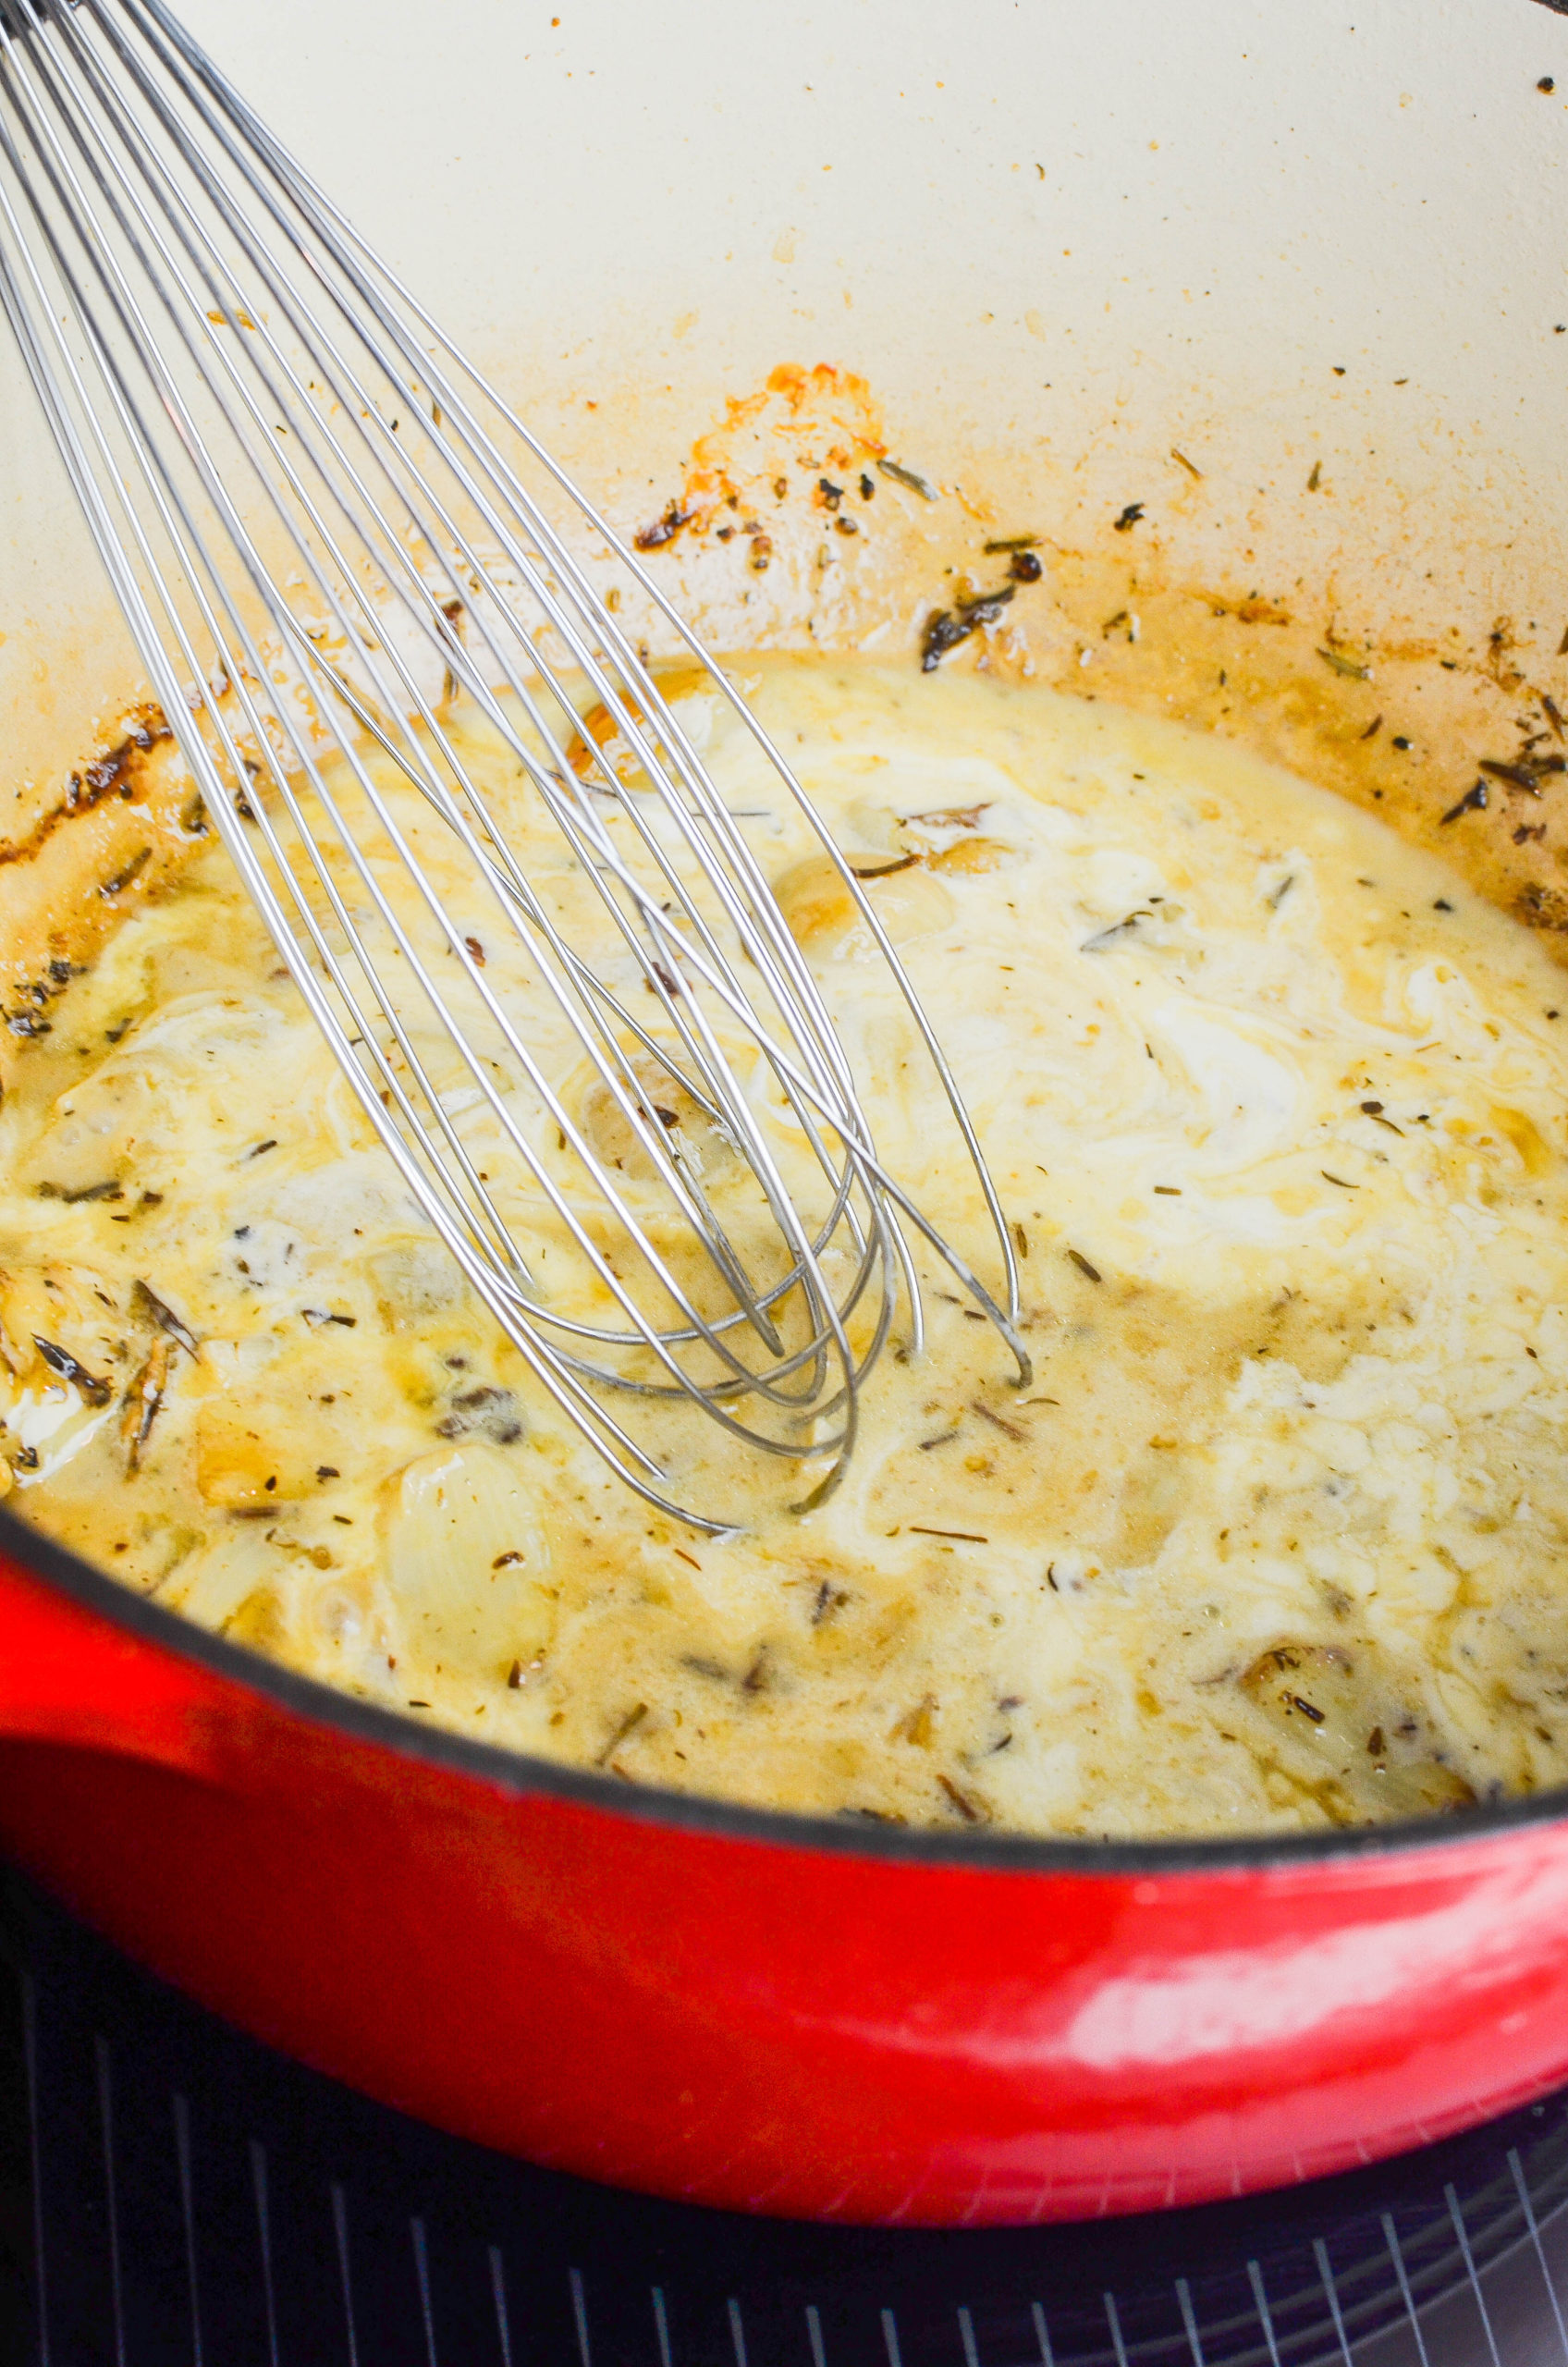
713 810
405 946
153 184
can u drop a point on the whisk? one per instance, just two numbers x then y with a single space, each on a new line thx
324 528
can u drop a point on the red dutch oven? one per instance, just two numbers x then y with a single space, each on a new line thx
764 2012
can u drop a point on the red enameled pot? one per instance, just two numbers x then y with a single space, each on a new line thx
764 2012
1286 282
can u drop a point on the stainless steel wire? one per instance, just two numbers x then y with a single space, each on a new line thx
329 537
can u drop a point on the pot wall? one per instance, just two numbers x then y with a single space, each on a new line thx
1058 240
813 2031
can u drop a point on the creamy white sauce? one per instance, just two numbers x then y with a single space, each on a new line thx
1276 1535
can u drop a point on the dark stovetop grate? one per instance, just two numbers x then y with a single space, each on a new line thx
193 2199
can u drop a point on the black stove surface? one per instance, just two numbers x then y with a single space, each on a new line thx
171 2192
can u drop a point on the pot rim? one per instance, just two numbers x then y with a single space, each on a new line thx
521 1773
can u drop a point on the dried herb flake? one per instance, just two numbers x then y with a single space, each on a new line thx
1475 800
664 530
1350 668
945 628
60 1360
165 1317
910 477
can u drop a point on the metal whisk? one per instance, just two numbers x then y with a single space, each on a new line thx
327 532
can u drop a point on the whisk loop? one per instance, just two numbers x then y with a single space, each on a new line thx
330 538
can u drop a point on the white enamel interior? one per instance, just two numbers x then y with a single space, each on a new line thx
1057 238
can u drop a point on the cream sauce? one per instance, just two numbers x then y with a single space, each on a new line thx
1277 1110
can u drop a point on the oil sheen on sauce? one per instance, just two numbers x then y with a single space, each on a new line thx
1276 1111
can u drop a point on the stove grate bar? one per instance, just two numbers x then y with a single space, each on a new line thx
181 2110
1527 2204
1332 2295
1265 2315
103 2065
35 2151
422 2271
1462 2233
264 2235
499 2295
340 2231
579 2314
1391 2236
